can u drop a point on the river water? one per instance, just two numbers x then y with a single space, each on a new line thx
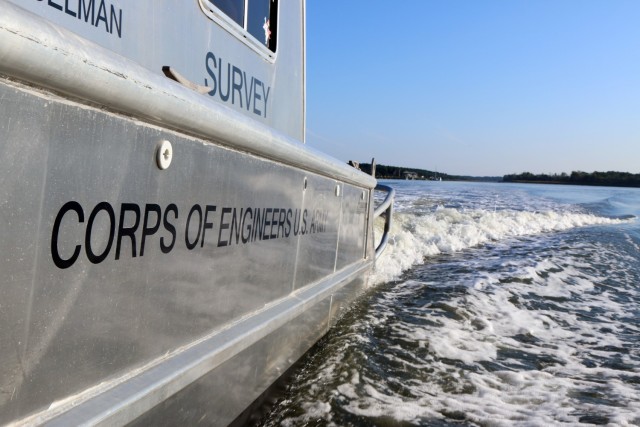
495 304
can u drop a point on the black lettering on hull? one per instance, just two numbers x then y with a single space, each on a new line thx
137 228
96 13
232 85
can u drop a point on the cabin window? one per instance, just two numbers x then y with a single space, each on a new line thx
256 17
234 9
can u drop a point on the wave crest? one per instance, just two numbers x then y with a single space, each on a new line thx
447 230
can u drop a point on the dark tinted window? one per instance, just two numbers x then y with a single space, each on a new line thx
234 9
262 17
262 21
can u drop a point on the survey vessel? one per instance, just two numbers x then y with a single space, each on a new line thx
170 246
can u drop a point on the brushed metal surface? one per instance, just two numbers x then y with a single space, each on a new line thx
316 257
69 329
353 232
126 279
180 35
35 50
213 399
122 401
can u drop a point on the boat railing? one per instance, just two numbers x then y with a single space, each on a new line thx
385 210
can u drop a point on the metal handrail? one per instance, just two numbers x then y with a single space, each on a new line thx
385 208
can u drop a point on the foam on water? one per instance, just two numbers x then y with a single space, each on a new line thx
446 230
540 340
501 311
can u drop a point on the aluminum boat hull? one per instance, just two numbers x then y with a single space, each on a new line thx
139 291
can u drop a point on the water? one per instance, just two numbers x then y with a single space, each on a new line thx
496 304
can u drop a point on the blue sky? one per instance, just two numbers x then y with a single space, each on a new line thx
476 87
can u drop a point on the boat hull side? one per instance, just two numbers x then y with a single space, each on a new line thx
113 266
213 400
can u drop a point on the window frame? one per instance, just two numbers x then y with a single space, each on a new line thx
231 26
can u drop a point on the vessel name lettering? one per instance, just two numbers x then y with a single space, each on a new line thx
132 229
97 13
231 84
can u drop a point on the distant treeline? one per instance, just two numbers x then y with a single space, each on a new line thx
613 179
399 172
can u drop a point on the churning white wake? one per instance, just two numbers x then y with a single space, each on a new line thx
414 237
